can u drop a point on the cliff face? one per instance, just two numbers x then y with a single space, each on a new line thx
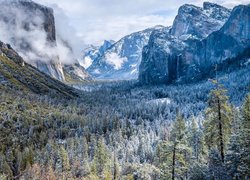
30 28
199 22
199 39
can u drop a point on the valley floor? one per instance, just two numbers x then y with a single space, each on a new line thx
112 131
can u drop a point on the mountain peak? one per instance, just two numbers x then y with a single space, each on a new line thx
208 5
188 8
193 21
238 24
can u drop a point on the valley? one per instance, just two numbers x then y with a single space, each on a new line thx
166 102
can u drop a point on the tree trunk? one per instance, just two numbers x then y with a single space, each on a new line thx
220 131
173 164
115 173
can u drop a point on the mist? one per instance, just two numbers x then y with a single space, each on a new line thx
24 30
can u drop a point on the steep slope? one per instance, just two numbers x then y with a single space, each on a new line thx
189 54
16 74
30 28
121 60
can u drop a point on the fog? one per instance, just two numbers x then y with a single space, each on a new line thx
23 29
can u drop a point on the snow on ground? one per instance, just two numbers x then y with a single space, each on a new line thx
160 101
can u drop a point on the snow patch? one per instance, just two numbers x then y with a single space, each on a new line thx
115 60
96 71
87 61
160 101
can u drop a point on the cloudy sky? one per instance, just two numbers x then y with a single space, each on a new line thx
93 21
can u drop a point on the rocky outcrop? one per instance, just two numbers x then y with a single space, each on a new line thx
121 60
30 28
199 22
75 73
199 39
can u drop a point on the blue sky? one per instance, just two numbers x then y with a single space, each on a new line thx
92 21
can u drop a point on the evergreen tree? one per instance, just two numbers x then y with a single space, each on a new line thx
233 156
245 140
64 159
174 154
198 167
218 120
100 158
196 141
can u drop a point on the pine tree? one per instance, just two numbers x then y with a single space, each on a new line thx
64 159
218 120
100 158
196 141
245 139
233 157
198 168
174 154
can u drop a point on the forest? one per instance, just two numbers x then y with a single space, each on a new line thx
120 130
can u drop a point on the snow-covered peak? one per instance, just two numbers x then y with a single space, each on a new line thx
193 21
122 59
91 53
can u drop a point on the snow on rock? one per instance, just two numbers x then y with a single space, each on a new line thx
121 61
115 60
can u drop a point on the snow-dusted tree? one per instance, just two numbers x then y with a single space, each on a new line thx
245 140
174 154
196 141
198 168
233 154
218 120
100 158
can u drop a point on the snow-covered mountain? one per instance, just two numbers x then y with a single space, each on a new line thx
92 53
199 22
122 59
199 39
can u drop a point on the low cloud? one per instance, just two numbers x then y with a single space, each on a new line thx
24 30
99 20
115 60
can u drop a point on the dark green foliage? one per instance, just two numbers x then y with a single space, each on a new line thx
218 123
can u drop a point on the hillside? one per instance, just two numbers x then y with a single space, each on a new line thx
16 74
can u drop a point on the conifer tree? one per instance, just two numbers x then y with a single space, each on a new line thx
198 168
233 156
245 139
196 141
64 159
100 157
218 120
174 154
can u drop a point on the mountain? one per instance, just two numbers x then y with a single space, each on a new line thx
30 28
92 53
122 59
199 39
75 73
199 22
16 74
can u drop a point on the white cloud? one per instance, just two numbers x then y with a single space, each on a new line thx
115 60
98 20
